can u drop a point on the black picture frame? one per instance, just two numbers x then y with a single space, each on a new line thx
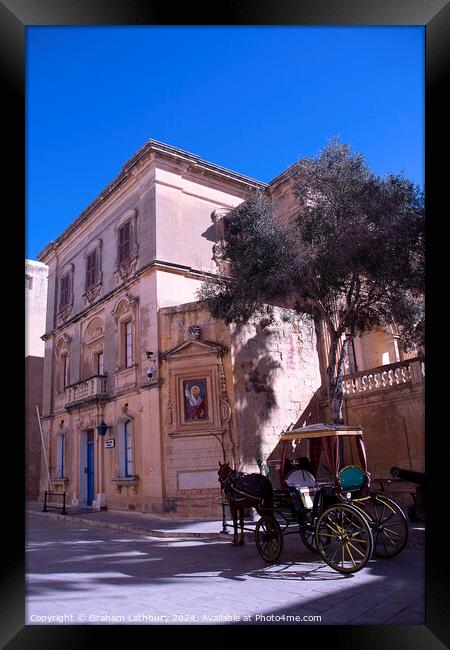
434 15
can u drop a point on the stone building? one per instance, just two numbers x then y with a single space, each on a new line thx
129 353
35 306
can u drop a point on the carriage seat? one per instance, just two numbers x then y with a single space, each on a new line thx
351 478
305 483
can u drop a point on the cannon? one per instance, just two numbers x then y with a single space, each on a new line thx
417 511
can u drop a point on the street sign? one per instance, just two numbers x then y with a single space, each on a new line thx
110 443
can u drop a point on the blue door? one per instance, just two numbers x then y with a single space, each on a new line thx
90 473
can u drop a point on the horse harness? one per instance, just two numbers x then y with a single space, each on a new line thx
228 485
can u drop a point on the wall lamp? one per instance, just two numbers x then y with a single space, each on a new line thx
102 428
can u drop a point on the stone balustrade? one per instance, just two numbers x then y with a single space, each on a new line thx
91 388
410 371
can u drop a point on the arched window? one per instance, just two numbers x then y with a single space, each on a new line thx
62 378
126 317
65 370
93 348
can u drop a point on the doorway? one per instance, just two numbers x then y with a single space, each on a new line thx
87 482
90 468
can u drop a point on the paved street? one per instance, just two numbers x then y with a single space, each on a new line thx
77 574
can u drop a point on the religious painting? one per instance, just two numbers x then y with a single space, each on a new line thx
195 400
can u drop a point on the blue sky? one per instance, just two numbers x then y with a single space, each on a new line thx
253 99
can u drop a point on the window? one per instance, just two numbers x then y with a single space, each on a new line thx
351 367
128 344
99 364
64 371
60 455
125 430
64 293
28 282
91 269
128 450
124 242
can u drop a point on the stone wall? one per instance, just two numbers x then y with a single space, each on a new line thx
276 373
34 367
192 452
36 275
393 421
270 372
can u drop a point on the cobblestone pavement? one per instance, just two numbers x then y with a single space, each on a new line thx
77 574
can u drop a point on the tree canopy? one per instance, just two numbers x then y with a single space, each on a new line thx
352 255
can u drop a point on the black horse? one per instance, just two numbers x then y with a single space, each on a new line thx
244 491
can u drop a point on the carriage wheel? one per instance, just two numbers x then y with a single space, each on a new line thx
308 537
388 522
269 539
343 538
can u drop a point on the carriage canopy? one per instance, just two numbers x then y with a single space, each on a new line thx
330 436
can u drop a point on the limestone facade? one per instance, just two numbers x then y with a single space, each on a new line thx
127 346
35 306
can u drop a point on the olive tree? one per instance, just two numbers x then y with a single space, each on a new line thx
353 257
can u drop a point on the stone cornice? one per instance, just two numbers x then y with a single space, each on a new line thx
156 265
156 147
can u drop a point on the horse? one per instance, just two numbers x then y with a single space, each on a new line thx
244 491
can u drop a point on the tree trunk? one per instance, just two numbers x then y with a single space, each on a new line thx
335 402
335 373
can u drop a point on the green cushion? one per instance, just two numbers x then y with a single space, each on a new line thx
351 478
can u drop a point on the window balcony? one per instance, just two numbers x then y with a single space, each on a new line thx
91 389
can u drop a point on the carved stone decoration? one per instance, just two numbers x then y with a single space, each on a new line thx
92 293
125 306
130 483
218 214
87 420
225 411
218 219
218 250
132 299
193 332
169 413
126 269
225 408
62 344
196 363
64 314
169 416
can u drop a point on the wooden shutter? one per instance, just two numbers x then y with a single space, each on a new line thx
91 269
122 449
124 242
64 291
128 331
60 455
128 450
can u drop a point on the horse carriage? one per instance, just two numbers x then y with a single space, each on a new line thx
335 516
